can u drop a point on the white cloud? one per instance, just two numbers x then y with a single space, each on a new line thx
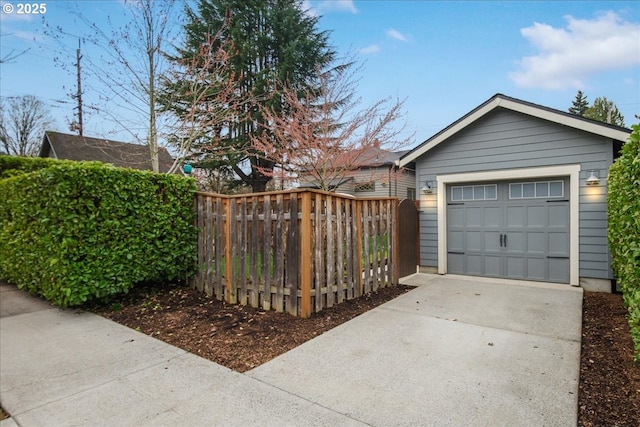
374 48
397 35
568 56
337 5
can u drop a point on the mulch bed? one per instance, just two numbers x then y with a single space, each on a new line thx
238 337
609 379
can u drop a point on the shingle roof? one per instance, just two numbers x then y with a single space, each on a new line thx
75 147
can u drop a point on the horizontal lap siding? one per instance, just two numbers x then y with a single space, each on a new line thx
509 140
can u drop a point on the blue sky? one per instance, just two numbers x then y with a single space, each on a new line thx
444 58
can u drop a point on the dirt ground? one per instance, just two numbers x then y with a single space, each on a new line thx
242 338
609 379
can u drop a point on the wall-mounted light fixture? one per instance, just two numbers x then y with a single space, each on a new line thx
593 178
427 188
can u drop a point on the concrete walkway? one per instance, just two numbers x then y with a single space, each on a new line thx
455 351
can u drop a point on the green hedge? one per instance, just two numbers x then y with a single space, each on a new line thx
624 228
14 165
79 231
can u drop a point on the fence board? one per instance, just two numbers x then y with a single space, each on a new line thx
331 259
267 254
253 244
341 277
208 232
294 255
278 268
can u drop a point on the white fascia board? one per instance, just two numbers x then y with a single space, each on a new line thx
447 133
55 155
576 123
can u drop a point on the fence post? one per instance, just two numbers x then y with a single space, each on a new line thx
305 256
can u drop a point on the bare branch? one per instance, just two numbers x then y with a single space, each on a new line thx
325 137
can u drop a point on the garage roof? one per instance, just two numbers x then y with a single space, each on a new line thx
501 101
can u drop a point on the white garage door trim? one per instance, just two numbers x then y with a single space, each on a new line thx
572 171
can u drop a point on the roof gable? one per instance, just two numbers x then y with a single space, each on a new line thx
513 104
76 147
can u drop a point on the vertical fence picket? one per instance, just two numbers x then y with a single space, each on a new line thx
232 249
280 241
330 251
366 238
253 246
340 270
219 246
375 244
208 232
319 256
267 253
293 256
200 272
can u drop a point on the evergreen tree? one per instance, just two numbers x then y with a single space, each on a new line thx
579 105
605 111
270 42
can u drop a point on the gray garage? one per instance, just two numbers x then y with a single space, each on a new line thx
512 229
517 190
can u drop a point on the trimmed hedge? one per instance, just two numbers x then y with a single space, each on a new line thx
624 228
78 231
14 165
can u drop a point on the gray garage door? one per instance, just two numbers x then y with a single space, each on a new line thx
515 229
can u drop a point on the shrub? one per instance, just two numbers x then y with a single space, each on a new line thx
78 231
14 165
624 228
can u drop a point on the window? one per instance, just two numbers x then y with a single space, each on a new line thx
474 192
411 193
536 190
365 186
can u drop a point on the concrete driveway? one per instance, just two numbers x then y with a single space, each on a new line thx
455 351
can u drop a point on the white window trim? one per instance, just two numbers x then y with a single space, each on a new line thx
572 171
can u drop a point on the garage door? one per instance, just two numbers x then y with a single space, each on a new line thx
515 229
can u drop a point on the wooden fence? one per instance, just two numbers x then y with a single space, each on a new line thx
296 251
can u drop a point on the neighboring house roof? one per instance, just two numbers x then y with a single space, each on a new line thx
501 101
376 157
75 147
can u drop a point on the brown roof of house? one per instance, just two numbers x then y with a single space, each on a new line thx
75 147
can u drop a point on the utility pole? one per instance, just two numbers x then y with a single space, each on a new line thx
79 96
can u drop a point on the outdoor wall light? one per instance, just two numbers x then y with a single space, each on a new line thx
187 168
593 179
427 188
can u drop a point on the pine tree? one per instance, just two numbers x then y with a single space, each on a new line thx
272 42
579 105
605 111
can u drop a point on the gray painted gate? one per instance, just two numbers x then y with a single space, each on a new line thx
492 233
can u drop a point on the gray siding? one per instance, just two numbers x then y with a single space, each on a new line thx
508 140
387 183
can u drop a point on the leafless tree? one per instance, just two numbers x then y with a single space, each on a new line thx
23 121
131 63
326 136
